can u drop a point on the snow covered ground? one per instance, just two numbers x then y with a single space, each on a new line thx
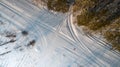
35 37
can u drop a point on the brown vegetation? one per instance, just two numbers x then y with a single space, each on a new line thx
95 15
58 5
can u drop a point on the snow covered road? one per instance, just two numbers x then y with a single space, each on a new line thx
35 37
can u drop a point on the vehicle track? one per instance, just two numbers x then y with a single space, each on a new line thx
33 25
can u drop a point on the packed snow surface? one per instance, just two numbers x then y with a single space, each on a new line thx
36 37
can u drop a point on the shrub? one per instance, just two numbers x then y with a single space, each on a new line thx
58 5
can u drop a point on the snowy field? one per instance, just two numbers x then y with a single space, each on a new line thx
35 37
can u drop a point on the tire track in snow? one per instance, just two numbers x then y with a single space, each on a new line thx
5 62
81 44
32 26
22 60
90 50
102 43
61 35
48 27
27 17
20 14
11 10
39 33
80 56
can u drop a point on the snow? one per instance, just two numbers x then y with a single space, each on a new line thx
59 43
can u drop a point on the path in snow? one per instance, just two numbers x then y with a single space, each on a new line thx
35 37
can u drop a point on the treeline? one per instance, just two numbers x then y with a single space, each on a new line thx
96 15
104 16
